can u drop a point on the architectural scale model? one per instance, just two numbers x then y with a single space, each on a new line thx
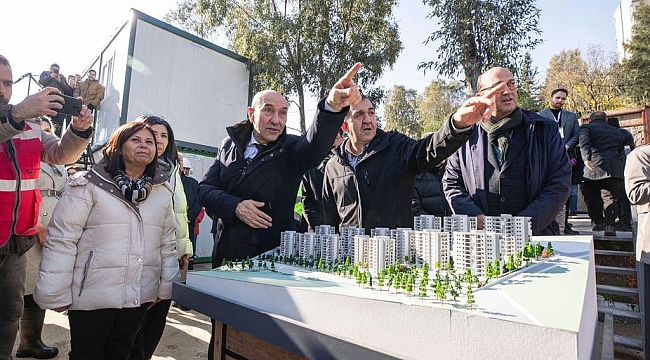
434 240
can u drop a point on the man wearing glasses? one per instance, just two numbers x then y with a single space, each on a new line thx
515 163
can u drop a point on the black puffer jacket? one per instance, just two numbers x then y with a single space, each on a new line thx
379 191
428 197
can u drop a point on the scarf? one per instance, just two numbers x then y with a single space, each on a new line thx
165 166
499 132
136 191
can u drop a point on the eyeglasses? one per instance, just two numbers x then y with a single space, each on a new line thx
512 85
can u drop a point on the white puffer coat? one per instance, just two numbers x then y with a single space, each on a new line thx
104 252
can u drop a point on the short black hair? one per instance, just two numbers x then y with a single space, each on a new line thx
558 90
91 70
55 64
363 97
613 121
4 61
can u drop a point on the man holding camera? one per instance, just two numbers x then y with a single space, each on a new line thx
90 90
22 146
52 78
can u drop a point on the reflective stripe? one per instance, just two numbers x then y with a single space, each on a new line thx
10 185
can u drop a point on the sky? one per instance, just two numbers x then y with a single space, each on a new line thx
72 32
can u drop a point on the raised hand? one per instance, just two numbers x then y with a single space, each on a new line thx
345 92
477 108
248 211
44 102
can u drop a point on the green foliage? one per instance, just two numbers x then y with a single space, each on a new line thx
301 46
400 112
527 95
593 80
474 35
549 247
438 101
637 66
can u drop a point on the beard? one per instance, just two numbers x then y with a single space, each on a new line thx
4 100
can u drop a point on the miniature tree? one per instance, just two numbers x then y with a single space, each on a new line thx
538 250
398 282
510 264
497 268
273 263
422 290
449 266
454 293
549 248
391 278
381 277
321 265
468 276
224 263
470 297
529 252
364 278
359 278
409 285
441 292
259 264
488 271
406 260
518 259
437 264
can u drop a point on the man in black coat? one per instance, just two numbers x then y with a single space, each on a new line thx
369 179
625 219
251 187
191 187
428 194
600 146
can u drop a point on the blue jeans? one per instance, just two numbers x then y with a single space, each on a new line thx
573 200
12 289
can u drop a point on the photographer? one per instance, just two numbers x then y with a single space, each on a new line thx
22 146
52 78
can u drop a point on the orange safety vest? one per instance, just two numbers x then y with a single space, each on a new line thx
20 163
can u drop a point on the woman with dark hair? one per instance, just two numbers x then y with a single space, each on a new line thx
155 319
110 252
51 182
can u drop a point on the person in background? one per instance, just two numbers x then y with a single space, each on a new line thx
600 147
312 189
155 318
110 252
91 91
52 78
624 222
51 182
22 146
194 209
428 195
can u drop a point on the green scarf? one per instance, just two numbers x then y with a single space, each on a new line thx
499 131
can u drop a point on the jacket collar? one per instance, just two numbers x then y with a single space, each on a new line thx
240 134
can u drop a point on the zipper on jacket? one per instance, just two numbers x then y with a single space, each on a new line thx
86 267
12 157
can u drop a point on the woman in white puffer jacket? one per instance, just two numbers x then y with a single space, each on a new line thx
110 251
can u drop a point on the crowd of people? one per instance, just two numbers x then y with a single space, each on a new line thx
106 244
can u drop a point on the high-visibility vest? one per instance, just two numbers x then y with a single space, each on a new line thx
20 162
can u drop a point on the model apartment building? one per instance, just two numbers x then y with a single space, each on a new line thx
434 241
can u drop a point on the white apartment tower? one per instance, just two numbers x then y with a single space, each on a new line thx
346 241
473 250
423 222
623 23
307 245
380 232
403 243
289 243
430 246
380 253
330 248
361 247
519 227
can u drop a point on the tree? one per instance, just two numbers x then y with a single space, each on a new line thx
593 80
549 247
470 297
437 102
637 66
297 46
538 250
474 35
527 95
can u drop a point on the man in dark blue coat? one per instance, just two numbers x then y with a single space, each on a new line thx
513 164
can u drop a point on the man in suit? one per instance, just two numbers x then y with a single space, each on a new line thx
600 146
568 127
